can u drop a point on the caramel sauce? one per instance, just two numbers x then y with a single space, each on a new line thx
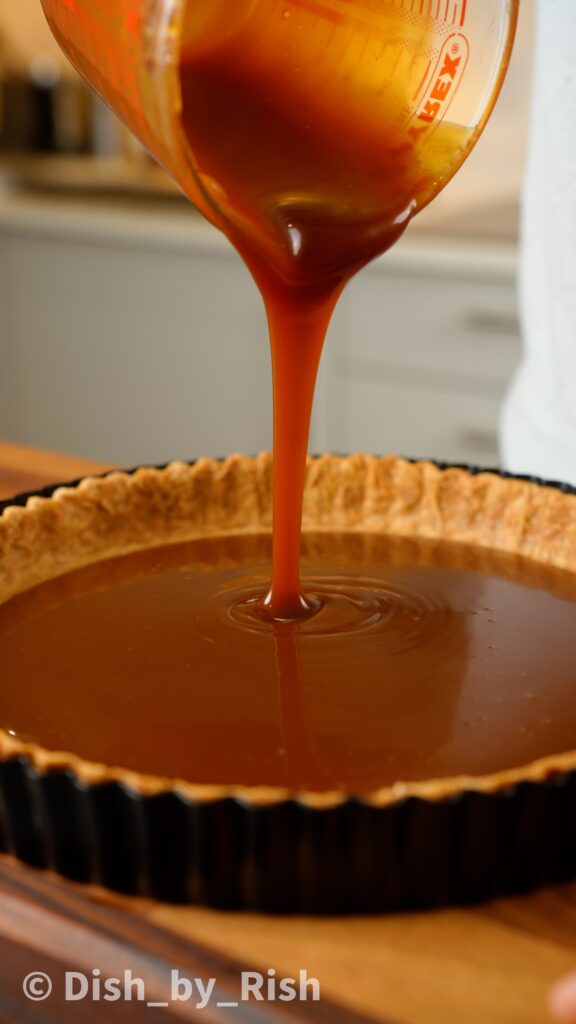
428 660
298 119
389 660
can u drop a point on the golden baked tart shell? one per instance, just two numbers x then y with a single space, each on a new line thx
410 845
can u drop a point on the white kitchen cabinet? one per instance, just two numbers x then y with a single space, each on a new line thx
435 323
134 334
384 416
431 340
129 338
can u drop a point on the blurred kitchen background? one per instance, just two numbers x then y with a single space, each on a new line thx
130 331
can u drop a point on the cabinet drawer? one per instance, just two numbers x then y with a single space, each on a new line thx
383 418
444 326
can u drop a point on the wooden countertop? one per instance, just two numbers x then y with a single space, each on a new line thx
492 964
23 469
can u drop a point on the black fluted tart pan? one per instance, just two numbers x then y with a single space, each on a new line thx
421 845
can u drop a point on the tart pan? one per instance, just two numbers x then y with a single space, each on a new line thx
418 846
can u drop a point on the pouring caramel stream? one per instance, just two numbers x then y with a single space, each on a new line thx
305 147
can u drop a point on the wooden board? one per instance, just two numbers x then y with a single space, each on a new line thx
490 965
22 469
49 926
487 965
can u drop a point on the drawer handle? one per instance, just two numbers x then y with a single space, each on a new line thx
479 439
492 321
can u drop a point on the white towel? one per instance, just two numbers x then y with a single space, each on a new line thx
539 420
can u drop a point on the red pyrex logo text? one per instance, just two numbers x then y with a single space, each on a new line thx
442 85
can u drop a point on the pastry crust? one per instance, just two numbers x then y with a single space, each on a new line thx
103 517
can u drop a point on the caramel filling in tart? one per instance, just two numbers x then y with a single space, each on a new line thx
423 660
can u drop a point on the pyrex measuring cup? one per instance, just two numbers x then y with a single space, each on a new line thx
426 63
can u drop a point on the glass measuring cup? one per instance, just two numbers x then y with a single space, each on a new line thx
428 65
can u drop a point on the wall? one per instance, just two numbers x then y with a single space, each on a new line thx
25 34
